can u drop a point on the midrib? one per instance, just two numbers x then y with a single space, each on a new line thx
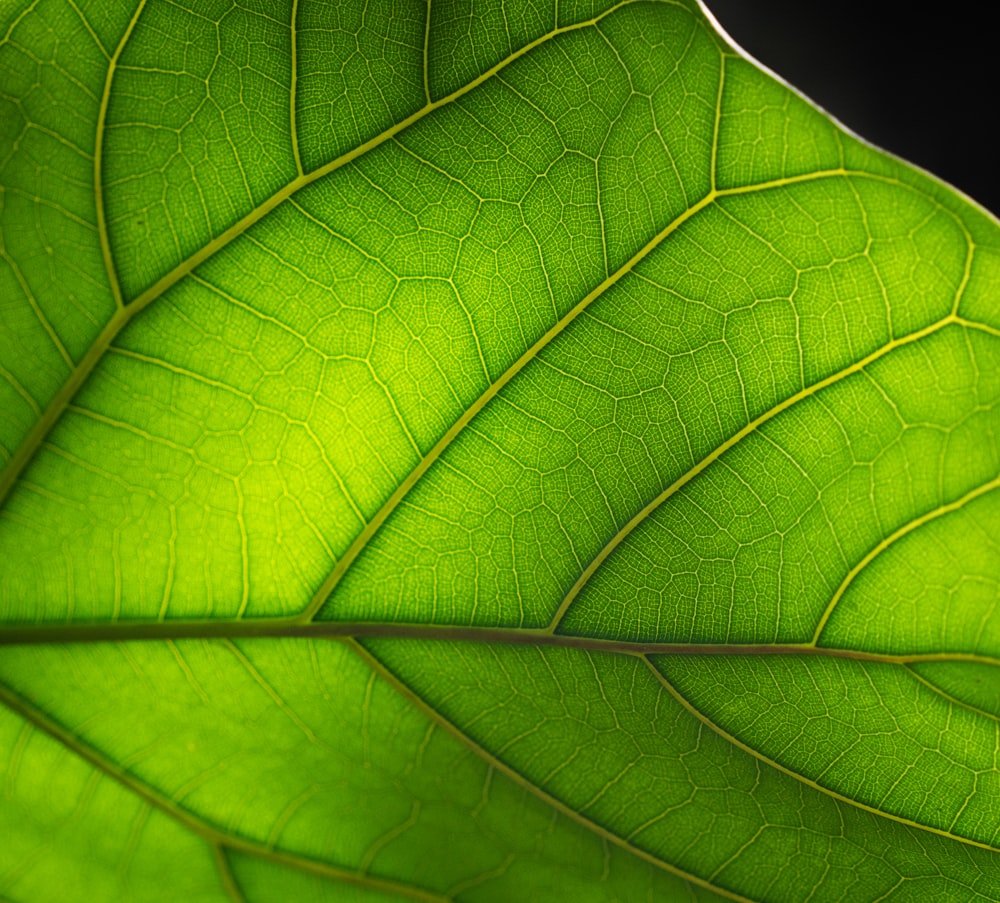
291 626
249 628
295 627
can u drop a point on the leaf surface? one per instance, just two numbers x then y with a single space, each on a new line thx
475 451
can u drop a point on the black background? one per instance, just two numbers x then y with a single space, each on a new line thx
923 86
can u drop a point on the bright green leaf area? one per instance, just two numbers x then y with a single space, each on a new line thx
480 452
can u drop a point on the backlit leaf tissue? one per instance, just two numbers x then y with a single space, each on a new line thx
477 451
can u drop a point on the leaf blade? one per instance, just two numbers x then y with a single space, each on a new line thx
405 383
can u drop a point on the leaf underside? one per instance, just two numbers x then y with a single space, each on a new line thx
464 451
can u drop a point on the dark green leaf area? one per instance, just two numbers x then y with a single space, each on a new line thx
868 731
310 770
933 590
975 684
615 739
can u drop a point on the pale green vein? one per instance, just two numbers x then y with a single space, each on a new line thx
293 113
982 327
970 252
27 11
713 163
36 310
93 34
102 115
410 822
15 384
427 46
60 401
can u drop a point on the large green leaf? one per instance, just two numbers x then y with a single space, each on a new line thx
479 452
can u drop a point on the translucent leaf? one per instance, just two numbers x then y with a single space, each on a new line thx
464 451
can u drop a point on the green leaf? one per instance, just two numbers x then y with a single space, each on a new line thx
477 452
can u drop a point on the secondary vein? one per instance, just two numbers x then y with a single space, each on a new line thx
217 838
127 312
